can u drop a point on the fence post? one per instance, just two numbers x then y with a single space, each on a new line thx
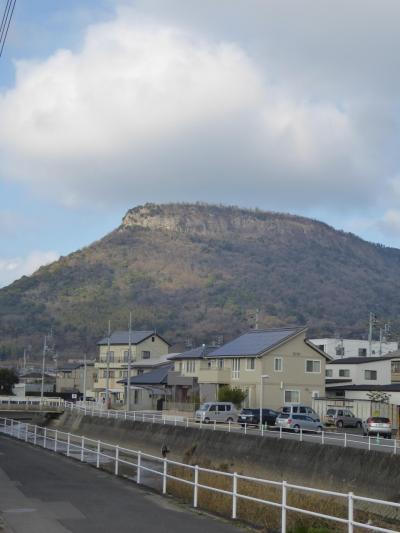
139 461
187 421
280 432
215 424
369 443
98 454
394 446
322 437
12 427
154 418
201 422
301 435
125 415
196 486
262 430
245 429
164 484
116 459
284 499
34 435
26 432
134 416
19 430
68 443
345 440
55 440
175 421
44 437
229 425
350 516
234 496
82 448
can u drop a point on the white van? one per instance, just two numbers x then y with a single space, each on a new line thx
218 411
299 409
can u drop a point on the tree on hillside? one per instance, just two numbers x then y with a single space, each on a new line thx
8 378
231 394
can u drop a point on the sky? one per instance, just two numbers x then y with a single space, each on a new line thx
289 106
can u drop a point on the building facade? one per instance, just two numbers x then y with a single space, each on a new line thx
339 348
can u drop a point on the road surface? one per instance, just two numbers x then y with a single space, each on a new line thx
41 492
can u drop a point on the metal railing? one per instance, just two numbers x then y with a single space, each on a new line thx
324 437
30 401
97 453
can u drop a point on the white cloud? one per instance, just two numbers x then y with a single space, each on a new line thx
148 111
12 269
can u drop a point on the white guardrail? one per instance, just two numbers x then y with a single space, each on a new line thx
97 453
14 401
377 443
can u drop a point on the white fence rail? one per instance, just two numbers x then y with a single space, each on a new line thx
352 440
11 402
96 453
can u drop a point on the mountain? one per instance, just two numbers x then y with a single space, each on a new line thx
194 270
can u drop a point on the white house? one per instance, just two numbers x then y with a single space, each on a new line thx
339 348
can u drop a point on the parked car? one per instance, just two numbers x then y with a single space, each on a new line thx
252 417
377 425
299 408
342 418
296 422
218 411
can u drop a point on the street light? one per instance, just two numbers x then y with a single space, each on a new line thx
262 377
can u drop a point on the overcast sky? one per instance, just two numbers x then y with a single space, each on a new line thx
290 106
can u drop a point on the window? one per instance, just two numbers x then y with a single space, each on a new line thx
221 408
313 366
140 372
292 396
278 364
362 352
315 394
126 356
340 351
111 357
321 347
328 372
104 373
344 373
145 354
396 367
220 363
250 363
112 374
370 374
235 368
190 366
153 338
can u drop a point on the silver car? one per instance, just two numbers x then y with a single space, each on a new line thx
377 425
216 411
299 422
342 417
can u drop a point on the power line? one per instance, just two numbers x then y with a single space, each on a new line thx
5 24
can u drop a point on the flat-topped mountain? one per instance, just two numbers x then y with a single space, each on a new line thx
194 270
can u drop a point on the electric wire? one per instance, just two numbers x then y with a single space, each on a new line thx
6 26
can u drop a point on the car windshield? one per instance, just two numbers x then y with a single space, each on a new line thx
204 407
246 412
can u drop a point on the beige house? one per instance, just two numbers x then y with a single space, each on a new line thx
73 378
145 345
280 362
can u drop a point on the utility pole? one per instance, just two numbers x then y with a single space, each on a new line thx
128 381
372 321
43 366
256 324
24 360
84 376
108 364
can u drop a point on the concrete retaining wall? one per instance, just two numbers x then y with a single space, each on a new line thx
374 474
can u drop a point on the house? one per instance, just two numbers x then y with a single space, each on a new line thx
30 384
145 345
339 348
75 379
150 390
279 364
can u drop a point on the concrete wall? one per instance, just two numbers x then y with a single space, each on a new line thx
374 474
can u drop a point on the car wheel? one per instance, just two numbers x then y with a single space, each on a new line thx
358 425
230 419
339 424
320 429
296 428
206 420
365 434
242 425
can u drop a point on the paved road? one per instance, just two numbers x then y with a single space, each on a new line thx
41 492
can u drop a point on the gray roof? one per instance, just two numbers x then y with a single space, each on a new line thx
158 376
122 337
195 353
392 387
255 342
361 360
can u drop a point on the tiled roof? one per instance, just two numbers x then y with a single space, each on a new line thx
195 353
391 387
122 337
362 360
158 376
255 342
